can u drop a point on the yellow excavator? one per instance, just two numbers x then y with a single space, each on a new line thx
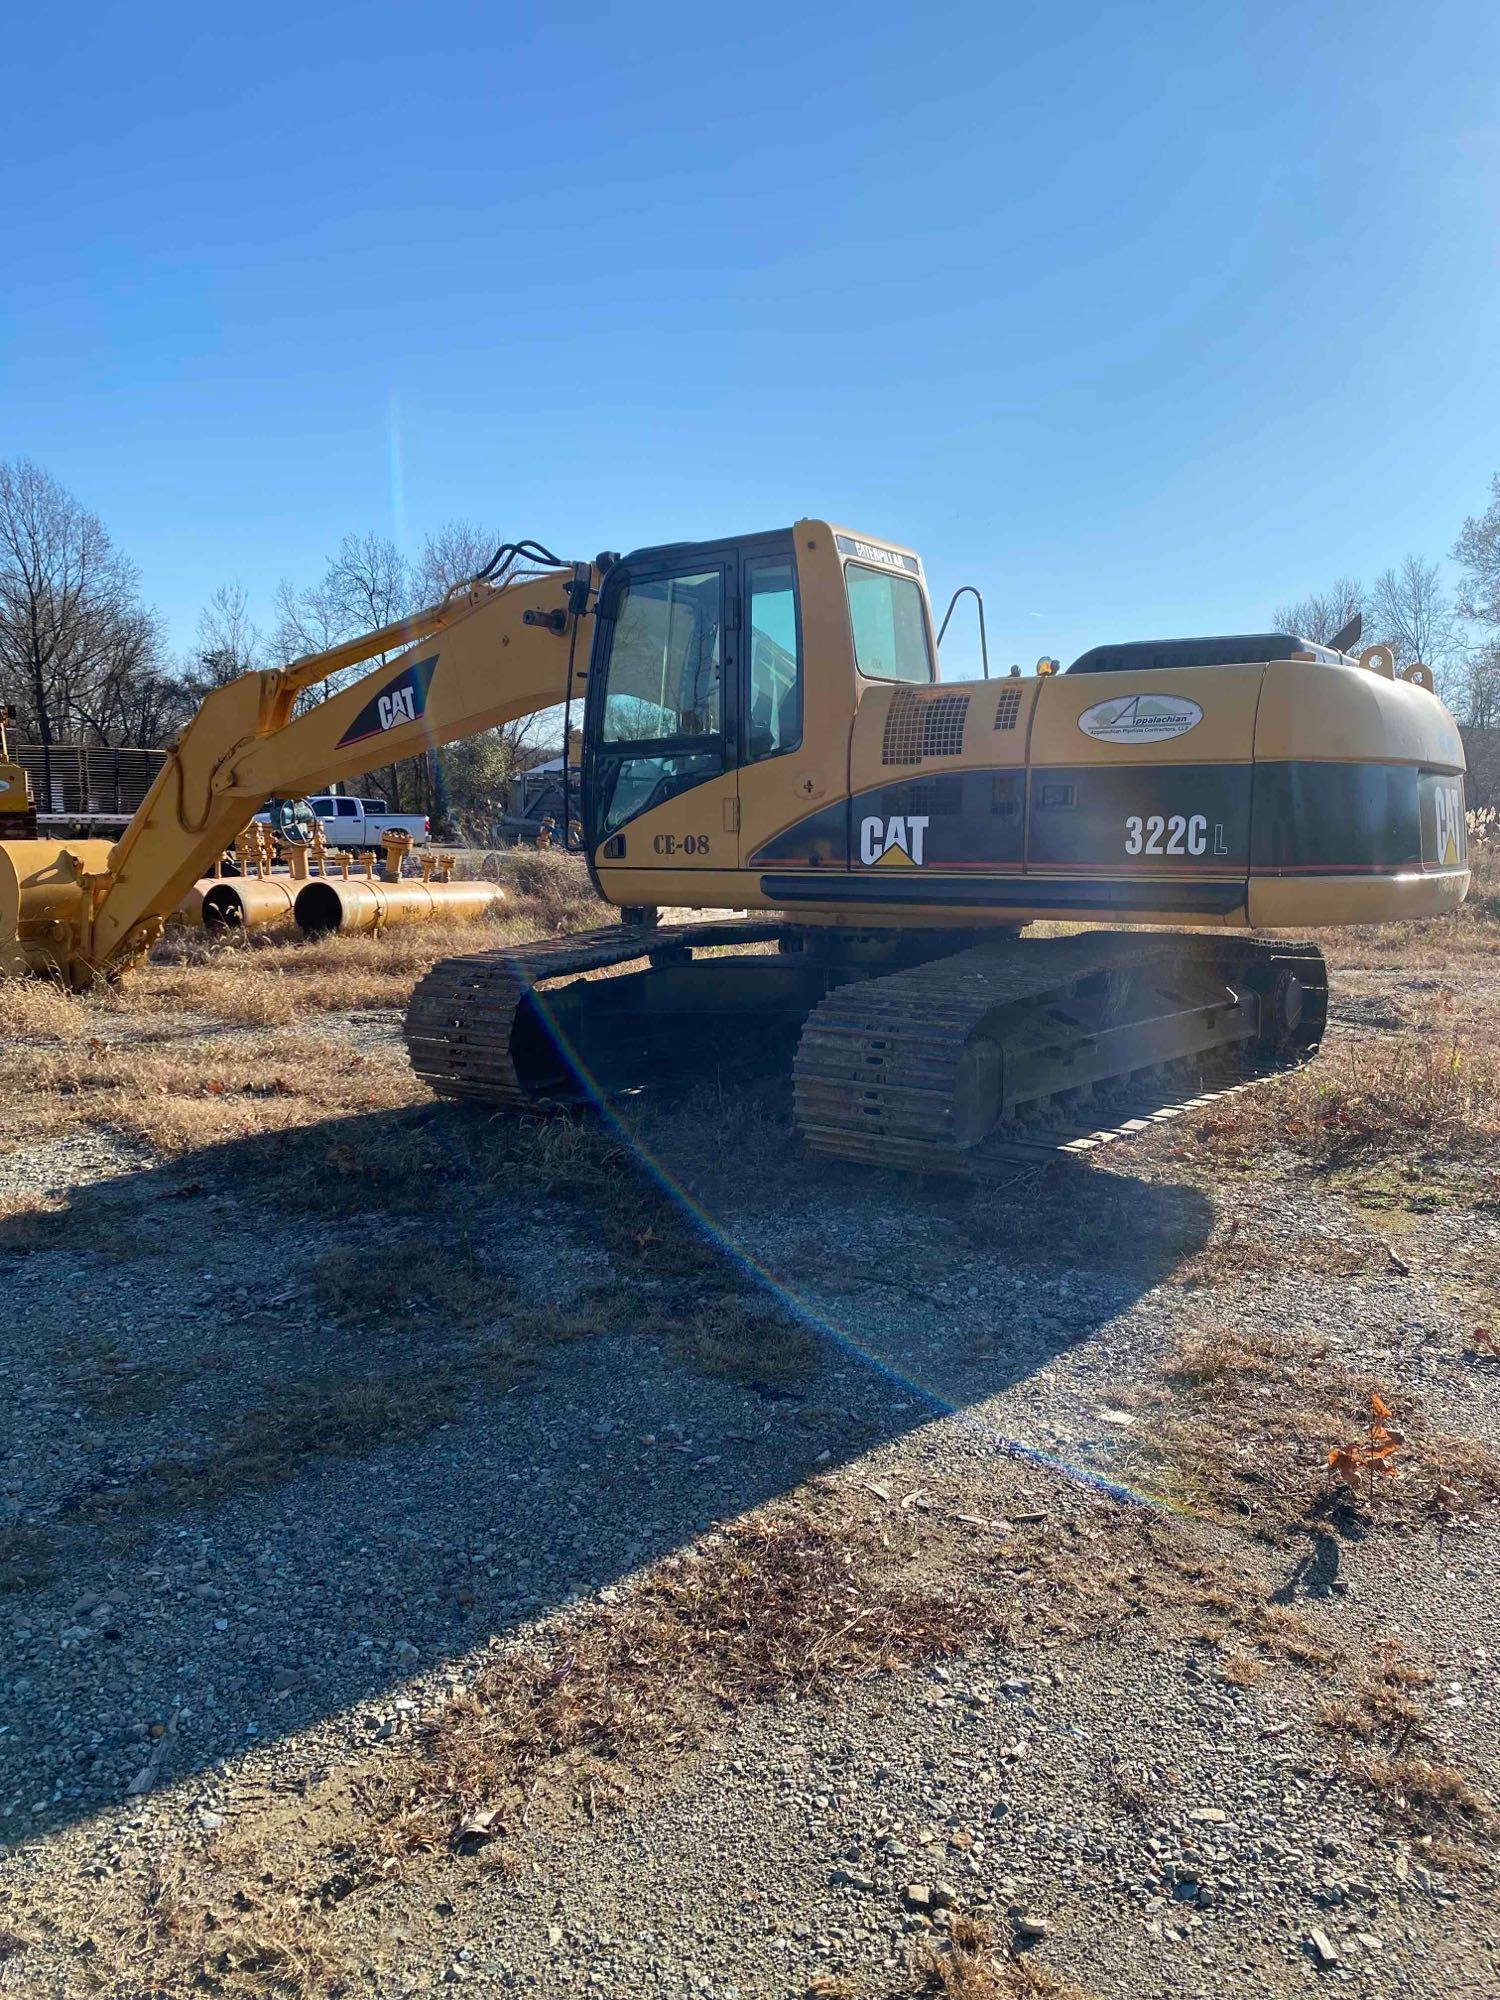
765 731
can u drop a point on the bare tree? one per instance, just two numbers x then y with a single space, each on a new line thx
368 583
229 643
1477 553
73 632
1478 692
129 696
456 553
1410 612
1322 614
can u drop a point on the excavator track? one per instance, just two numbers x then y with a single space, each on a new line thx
1019 1051
474 1030
1002 1052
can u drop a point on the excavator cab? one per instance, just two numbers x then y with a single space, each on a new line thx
696 680
722 690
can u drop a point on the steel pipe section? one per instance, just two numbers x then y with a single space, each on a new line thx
245 902
356 903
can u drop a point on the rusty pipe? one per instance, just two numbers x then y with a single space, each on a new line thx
356 903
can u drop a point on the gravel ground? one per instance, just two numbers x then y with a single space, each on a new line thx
182 1660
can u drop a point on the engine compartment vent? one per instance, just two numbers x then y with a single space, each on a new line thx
918 726
940 797
1008 708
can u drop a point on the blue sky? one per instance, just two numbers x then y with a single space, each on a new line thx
1141 317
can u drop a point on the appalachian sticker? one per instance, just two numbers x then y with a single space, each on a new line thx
401 700
1140 718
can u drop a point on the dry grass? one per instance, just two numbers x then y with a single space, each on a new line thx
792 1602
1241 1669
740 1343
779 1603
437 1276
175 1095
972 1965
26 1557
123 1061
1424 1796
42 1011
434 1277
318 1417
1416 1097
274 978
785 1603
1245 1417
1284 1634
733 1338
200 1927
1381 1703
111 1384
347 1415
1238 1250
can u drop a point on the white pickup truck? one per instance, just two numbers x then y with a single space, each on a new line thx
361 822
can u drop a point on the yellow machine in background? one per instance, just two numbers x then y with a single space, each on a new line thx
765 730
17 807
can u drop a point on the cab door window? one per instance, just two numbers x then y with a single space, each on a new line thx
773 705
890 630
665 671
662 726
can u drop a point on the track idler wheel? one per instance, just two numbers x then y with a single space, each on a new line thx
1293 996
1282 1009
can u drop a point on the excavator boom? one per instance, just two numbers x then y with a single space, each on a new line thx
486 656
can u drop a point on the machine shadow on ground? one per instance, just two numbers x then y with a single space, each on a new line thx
302 1415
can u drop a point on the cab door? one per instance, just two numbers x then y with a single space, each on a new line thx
661 721
771 733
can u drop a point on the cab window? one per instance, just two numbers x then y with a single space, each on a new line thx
665 677
347 808
662 728
890 631
773 718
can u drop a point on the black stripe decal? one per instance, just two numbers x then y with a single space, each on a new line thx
1272 818
1019 892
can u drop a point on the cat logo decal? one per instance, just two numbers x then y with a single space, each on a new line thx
401 700
897 841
